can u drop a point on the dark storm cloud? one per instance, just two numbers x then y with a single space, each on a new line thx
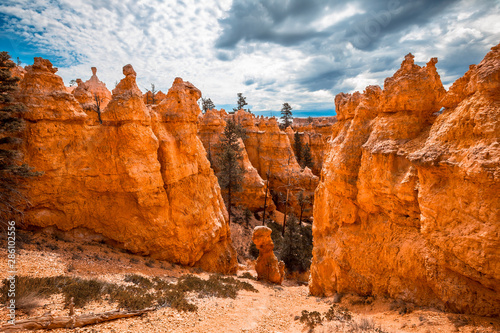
276 21
270 21
376 30
393 17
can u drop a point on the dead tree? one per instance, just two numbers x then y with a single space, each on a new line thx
97 106
50 322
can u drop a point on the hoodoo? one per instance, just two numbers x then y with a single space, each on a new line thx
140 179
408 204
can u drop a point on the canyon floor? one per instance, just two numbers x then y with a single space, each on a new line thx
272 309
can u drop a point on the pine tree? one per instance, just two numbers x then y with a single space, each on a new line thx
286 115
153 92
242 101
297 145
307 157
296 251
11 128
229 161
247 216
207 104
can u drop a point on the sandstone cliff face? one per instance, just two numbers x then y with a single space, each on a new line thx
316 134
408 205
269 150
141 179
253 191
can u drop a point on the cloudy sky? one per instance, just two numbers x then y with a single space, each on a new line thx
302 52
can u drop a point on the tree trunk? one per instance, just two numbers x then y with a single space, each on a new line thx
50 322
300 219
229 203
284 217
265 201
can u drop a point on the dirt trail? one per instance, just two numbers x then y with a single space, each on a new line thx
273 309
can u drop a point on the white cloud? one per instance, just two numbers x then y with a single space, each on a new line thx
165 39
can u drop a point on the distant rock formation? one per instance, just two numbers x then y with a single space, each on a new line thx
316 134
140 179
408 205
253 192
269 151
267 265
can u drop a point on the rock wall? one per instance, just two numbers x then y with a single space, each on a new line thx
408 205
253 192
141 179
269 150
316 134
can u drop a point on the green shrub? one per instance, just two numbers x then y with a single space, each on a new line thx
143 294
138 280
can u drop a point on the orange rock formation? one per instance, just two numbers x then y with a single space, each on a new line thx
148 97
253 190
269 150
140 180
316 134
87 92
267 265
408 205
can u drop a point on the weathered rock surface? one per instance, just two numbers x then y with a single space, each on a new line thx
148 97
253 192
269 151
141 179
267 265
408 205
87 92
316 134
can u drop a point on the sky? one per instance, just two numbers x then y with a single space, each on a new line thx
302 52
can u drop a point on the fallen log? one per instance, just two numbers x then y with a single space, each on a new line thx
49 322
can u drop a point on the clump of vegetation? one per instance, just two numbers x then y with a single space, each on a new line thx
311 319
139 280
142 294
216 286
247 275
134 260
296 251
12 125
253 251
402 307
363 300
334 313
28 302
458 321
338 313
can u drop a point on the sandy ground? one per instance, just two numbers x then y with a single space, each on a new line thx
272 309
